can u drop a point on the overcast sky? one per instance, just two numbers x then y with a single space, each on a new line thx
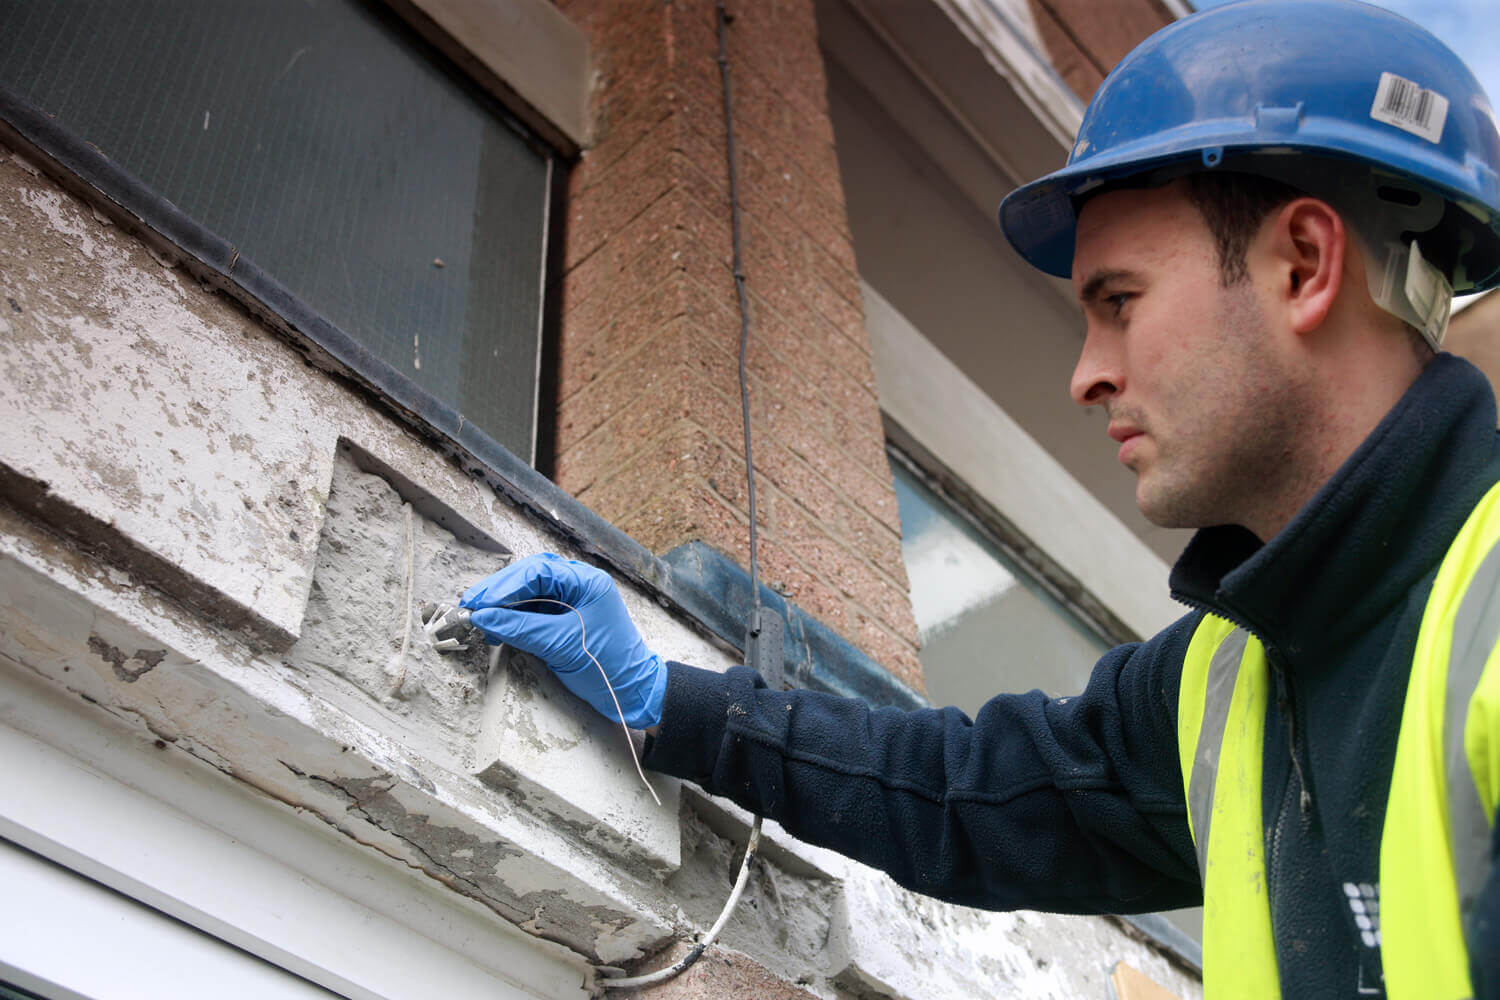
1469 27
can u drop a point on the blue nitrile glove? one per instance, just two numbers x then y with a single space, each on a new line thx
505 608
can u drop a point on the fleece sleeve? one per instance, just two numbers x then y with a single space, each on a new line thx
1065 804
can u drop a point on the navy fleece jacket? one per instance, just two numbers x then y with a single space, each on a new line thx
1076 804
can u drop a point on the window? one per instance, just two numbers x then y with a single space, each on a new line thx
988 625
336 152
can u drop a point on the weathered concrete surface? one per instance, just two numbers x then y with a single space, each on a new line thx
964 952
217 472
247 716
154 408
378 561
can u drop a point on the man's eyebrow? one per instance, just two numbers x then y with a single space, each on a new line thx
1096 282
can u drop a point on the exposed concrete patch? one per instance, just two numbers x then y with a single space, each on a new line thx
377 562
117 659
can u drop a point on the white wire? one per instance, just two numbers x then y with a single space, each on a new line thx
713 932
619 712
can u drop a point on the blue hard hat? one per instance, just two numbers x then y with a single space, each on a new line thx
1337 84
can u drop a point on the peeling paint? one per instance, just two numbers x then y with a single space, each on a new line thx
470 865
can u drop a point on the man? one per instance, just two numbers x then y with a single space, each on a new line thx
1264 217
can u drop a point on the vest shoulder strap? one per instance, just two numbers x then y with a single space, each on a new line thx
1220 733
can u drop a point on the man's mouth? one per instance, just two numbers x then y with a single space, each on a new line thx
1128 435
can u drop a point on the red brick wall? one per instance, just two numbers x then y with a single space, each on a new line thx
649 430
1083 45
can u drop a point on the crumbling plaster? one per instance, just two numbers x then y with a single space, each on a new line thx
154 412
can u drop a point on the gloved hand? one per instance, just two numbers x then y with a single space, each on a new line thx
507 607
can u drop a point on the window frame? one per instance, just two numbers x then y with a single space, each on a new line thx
994 527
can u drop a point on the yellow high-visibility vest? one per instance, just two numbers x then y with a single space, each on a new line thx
1434 846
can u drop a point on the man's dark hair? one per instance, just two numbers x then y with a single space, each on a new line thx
1233 206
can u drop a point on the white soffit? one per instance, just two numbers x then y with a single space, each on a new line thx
984 68
937 404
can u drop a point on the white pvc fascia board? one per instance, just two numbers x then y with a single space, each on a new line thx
133 952
253 888
945 412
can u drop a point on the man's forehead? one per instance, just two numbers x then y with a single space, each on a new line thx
1122 225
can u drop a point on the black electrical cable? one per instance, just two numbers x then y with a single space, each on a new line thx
739 287
753 843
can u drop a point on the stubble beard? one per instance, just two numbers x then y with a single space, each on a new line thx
1231 454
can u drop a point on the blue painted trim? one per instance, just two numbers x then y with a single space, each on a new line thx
717 592
698 579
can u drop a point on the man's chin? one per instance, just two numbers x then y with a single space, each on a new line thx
1164 511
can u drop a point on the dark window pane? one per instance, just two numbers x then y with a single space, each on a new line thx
9 992
326 144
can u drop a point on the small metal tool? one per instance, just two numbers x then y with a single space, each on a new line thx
447 627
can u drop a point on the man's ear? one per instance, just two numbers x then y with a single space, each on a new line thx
1309 245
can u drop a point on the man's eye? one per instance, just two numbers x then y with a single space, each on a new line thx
1118 300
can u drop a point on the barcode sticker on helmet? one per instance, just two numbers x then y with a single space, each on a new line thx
1402 103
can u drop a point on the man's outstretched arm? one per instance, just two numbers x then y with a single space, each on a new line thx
1070 804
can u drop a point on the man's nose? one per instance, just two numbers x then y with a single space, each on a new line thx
1098 376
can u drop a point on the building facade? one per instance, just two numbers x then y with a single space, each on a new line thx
301 335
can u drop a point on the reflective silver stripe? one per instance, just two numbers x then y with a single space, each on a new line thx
1223 671
1476 628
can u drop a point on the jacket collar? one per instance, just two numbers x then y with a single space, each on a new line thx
1377 527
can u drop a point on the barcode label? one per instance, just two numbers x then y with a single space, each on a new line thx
1402 103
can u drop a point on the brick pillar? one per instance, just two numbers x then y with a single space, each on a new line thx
1083 46
649 429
